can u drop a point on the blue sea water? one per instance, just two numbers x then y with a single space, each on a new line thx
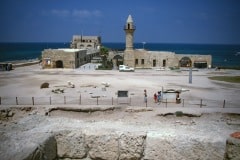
222 55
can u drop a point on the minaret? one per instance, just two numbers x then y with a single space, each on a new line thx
129 30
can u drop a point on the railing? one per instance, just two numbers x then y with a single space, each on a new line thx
131 101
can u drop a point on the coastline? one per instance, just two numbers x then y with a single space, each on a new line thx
21 63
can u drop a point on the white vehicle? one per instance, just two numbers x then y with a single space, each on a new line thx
123 68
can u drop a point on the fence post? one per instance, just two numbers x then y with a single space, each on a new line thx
33 100
97 100
80 99
201 103
64 99
130 101
50 99
0 100
166 102
16 101
183 102
224 102
112 100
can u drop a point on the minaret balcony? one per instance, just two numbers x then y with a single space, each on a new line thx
129 27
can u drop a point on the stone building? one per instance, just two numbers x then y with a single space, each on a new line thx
79 42
63 58
81 51
140 58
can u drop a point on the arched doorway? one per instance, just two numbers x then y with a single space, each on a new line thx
59 64
185 62
117 60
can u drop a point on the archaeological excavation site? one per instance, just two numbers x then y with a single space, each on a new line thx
117 133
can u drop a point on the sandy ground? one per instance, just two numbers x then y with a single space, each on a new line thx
25 82
213 125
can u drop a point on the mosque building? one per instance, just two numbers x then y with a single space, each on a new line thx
141 58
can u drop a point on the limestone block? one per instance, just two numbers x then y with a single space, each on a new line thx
232 149
131 146
177 148
42 147
102 145
71 144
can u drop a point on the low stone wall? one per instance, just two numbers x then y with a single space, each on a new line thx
107 145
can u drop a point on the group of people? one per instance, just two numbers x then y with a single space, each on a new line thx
156 96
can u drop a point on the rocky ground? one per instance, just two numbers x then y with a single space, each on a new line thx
111 132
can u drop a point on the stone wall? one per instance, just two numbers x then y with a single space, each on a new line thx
69 59
148 59
116 145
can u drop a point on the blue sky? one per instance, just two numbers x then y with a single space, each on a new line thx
164 21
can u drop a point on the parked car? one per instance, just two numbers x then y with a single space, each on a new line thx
123 68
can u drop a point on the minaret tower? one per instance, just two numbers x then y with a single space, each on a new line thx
129 30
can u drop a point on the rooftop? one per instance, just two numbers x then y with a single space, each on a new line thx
70 49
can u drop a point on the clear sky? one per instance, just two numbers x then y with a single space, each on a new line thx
164 21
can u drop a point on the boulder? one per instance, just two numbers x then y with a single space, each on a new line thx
44 85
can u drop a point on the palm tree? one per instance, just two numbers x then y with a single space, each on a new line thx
104 55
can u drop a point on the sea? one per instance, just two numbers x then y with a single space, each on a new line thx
223 55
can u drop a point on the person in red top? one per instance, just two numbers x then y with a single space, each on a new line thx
155 97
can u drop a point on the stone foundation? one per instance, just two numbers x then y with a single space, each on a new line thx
107 145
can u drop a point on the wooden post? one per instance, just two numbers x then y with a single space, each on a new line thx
0 100
50 99
80 99
16 101
183 102
64 99
224 102
166 102
112 100
201 103
97 100
33 100
130 101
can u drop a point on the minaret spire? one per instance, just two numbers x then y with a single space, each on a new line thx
129 30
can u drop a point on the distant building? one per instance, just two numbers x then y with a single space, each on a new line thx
63 58
81 51
141 58
79 42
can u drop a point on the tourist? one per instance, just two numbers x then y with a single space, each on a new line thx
155 97
145 95
178 99
159 96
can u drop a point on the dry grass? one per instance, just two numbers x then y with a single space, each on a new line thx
231 79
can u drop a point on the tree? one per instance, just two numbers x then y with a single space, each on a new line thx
104 55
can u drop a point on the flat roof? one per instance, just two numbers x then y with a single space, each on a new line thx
70 49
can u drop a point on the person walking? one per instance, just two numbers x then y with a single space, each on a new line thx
145 95
159 96
155 97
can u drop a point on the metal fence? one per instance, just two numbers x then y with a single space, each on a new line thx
132 101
